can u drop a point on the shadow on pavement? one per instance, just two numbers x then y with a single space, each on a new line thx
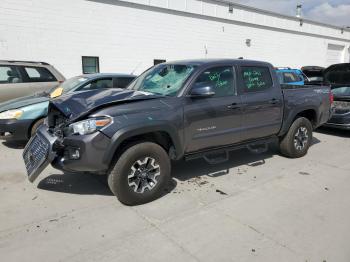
15 144
334 132
183 170
84 184
89 184
79 183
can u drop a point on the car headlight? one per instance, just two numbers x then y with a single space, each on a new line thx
11 114
90 125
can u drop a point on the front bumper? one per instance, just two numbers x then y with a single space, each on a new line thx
92 150
13 129
338 126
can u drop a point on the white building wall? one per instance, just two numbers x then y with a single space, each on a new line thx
128 36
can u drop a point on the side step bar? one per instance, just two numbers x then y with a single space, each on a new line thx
219 155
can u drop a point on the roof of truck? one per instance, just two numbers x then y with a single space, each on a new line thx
209 61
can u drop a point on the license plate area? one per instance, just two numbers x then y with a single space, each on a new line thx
37 155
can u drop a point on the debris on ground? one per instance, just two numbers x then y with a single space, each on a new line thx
220 192
304 173
199 181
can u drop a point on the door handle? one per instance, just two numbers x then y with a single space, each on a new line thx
233 106
274 101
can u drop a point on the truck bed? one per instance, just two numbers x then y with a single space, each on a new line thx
303 98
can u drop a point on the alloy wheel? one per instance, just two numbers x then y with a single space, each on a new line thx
143 175
301 138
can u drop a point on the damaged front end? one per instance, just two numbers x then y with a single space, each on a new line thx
66 145
72 138
44 146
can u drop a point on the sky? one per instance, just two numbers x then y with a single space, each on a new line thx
336 12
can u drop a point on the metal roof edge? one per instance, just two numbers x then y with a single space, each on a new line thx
250 8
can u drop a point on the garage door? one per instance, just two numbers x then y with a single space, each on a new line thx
334 54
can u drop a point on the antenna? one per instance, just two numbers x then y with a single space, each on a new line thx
137 66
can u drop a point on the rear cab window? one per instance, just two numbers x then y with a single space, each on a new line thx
103 83
38 74
290 77
256 78
122 82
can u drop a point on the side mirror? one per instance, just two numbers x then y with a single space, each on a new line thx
202 91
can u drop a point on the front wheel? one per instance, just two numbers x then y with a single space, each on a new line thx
35 126
140 174
298 140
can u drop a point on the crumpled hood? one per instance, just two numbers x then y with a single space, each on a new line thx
23 101
79 104
337 75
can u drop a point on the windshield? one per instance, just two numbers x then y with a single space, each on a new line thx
165 79
72 83
341 91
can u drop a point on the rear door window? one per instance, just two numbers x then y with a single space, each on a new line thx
9 75
39 74
256 78
98 84
122 82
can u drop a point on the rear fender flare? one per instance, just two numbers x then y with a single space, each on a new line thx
290 118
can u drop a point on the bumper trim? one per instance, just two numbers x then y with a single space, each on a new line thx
340 126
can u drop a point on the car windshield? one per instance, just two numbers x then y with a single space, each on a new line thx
71 83
165 79
341 91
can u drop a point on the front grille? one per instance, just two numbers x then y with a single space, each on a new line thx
36 153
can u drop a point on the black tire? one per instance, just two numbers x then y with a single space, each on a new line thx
119 181
35 126
293 144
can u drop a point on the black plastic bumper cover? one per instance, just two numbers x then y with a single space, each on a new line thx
19 129
341 121
92 150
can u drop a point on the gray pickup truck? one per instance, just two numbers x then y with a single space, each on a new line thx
183 109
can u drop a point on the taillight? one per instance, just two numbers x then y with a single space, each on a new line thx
331 97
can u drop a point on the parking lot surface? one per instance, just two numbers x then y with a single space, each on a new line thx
252 208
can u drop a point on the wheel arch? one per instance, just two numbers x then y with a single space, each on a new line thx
34 121
309 113
165 136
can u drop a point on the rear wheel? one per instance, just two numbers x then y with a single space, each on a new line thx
298 139
35 126
140 174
